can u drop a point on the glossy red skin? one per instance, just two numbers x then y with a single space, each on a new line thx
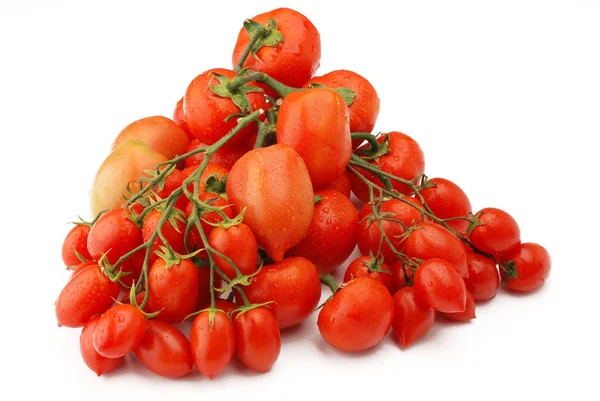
224 157
87 294
76 240
412 317
468 314
295 59
498 233
210 170
440 286
533 265
405 160
294 287
365 108
119 331
358 316
239 244
257 338
173 291
342 184
446 200
226 306
81 266
429 240
179 119
175 237
172 182
332 234
212 349
96 362
315 123
274 186
205 111
398 276
483 280
359 268
165 350
212 217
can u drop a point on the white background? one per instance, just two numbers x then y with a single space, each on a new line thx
504 99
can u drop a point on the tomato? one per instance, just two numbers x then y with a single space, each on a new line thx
224 157
257 338
332 234
295 59
226 306
294 287
468 314
165 350
205 112
440 286
119 330
195 241
497 233
274 186
239 244
532 263
399 275
483 280
365 108
179 119
76 243
96 362
446 200
173 290
88 293
211 170
173 234
172 182
412 316
315 123
358 316
362 267
342 184
81 266
212 348
405 160
429 240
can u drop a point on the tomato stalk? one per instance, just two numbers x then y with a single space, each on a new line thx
329 281
254 38
282 89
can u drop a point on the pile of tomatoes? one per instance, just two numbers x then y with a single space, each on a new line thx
232 214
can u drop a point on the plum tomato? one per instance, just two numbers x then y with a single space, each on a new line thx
446 200
173 230
466 315
400 273
483 280
496 232
412 316
212 347
76 243
438 284
237 243
96 362
257 338
119 331
173 289
526 267
365 266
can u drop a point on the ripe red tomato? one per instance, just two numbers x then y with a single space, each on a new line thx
211 170
466 315
295 59
119 330
210 217
173 235
88 293
257 338
173 290
294 287
440 286
172 182
412 316
342 184
405 160
239 244
361 267
331 237
358 316
274 186
315 123
483 280
532 263
91 357
224 157
212 348
446 200
81 266
165 350
179 119
399 276
76 243
497 233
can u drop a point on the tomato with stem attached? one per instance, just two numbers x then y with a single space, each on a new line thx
413 317
173 231
237 243
224 157
483 280
366 266
496 232
96 362
75 243
438 283
526 267
257 338
447 200
173 289
119 331
400 275
213 346
214 200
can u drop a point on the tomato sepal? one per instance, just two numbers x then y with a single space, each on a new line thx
268 35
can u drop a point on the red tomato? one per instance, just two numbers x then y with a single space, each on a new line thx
224 157
119 330
173 235
274 186
440 286
468 314
399 276
165 350
212 348
172 182
179 119
239 244
210 217
446 200
497 233
358 316
331 237
405 160
173 290
257 338
96 362
483 280
412 317
211 170
294 287
88 293
81 266
295 59
342 184
76 243
361 267
532 263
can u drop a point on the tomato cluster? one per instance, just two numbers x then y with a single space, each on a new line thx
233 213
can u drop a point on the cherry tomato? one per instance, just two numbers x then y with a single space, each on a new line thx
315 123
440 286
165 350
224 157
358 316
294 287
76 243
257 338
173 290
412 316
173 235
446 200
179 119
119 330
342 184
239 244
274 186
96 362
332 234
399 275
483 280
468 314
497 233
532 263
212 347
362 267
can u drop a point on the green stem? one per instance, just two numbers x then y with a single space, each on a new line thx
357 161
253 39
372 139
329 281
282 89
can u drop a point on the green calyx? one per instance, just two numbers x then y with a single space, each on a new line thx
347 94
374 264
263 35
376 149
235 89
246 308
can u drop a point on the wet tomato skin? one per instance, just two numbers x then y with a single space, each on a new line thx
257 338
532 263
212 347
119 331
412 317
96 362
